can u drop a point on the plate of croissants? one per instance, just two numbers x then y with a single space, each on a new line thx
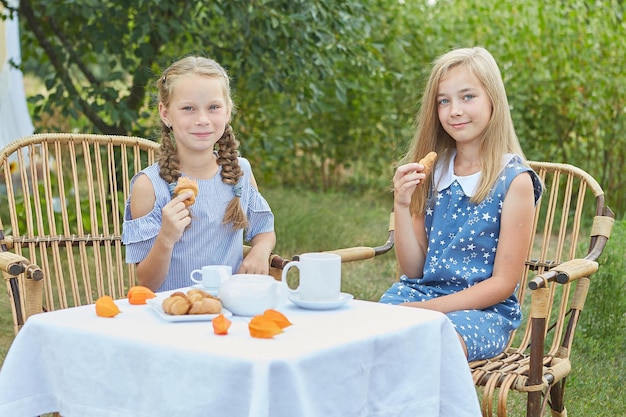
193 305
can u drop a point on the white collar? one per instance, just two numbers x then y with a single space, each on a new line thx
444 175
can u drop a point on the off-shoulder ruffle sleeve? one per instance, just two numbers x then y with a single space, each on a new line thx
138 235
260 216
258 211
141 229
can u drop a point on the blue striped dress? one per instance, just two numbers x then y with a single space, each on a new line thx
207 241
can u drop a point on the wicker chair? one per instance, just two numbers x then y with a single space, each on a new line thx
552 291
60 238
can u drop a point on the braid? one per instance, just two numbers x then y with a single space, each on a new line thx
231 173
169 165
227 157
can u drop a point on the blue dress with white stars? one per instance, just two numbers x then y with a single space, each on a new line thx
462 242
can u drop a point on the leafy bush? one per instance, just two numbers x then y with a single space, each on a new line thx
605 310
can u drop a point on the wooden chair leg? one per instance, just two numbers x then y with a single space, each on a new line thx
557 393
17 302
538 324
534 405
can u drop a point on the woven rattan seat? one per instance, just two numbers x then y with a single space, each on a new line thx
572 226
62 197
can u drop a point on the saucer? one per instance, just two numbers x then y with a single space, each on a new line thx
213 292
320 305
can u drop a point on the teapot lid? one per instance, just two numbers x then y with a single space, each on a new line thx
252 278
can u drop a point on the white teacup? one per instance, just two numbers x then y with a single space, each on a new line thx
320 276
211 277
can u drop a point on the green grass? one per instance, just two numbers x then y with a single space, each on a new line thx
308 221
6 326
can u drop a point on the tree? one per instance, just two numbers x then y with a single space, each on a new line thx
98 59
326 90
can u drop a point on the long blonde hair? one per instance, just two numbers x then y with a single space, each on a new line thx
498 138
227 145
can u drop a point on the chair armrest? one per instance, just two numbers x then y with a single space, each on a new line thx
24 282
275 260
12 263
566 272
359 253
354 254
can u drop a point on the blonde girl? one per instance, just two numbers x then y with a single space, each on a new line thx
163 237
462 233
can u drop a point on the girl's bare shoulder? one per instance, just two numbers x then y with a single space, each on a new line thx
142 197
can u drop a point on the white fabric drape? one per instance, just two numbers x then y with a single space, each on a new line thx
15 120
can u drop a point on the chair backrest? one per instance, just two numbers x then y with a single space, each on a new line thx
62 197
571 222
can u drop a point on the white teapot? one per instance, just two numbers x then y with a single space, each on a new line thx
251 294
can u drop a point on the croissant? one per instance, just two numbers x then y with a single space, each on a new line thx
194 297
196 292
176 305
428 161
206 306
179 293
187 184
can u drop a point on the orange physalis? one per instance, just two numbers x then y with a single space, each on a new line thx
139 294
278 318
106 307
263 327
221 325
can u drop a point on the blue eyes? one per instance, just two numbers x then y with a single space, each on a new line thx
214 107
466 97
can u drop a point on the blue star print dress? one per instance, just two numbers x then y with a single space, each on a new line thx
462 242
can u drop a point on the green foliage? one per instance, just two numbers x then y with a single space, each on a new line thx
605 311
326 91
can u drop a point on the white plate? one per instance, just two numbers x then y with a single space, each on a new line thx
155 303
320 305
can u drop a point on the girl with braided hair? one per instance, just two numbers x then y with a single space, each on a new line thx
165 238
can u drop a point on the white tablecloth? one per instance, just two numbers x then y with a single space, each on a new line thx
364 359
